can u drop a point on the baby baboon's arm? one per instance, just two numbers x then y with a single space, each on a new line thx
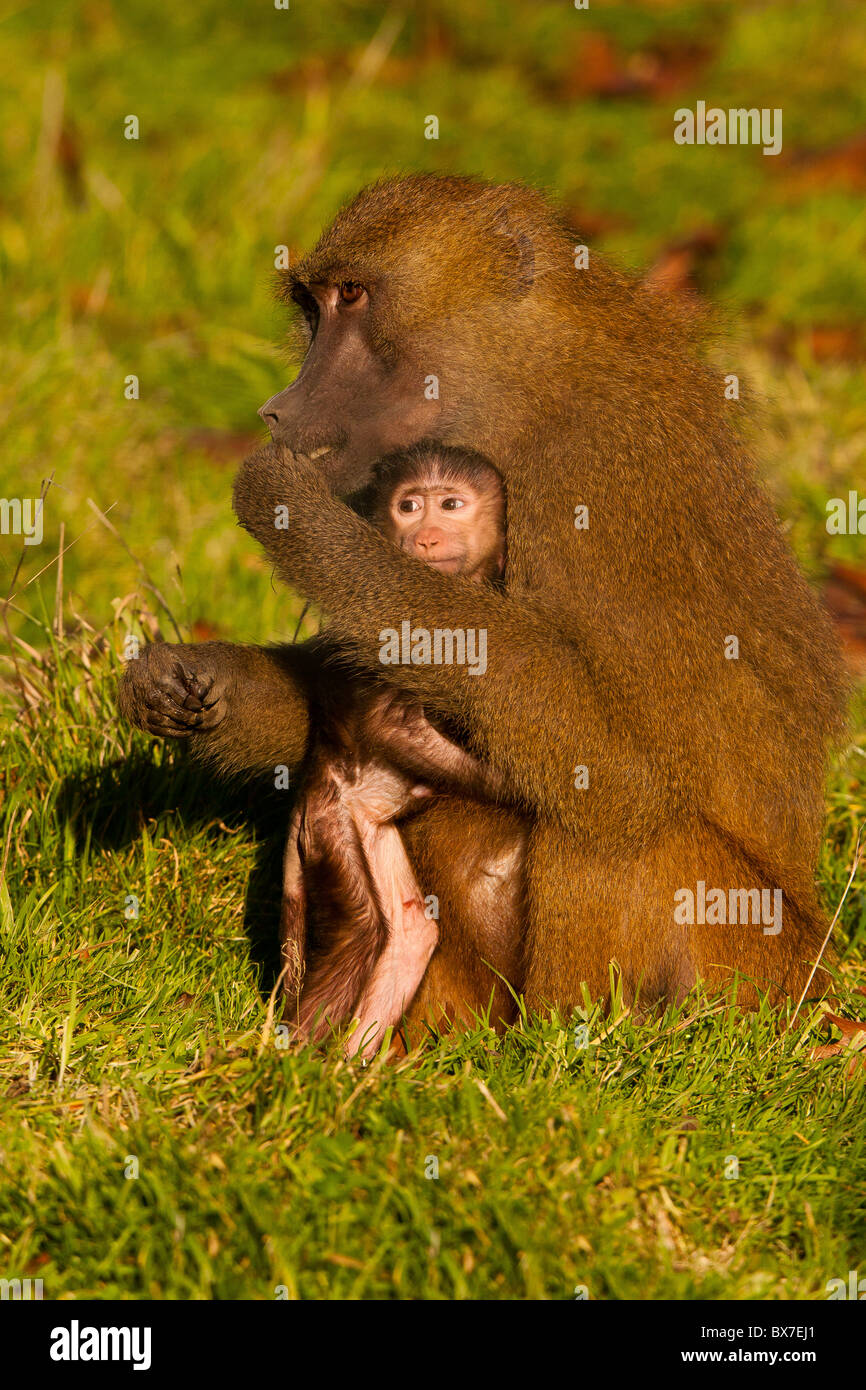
398 731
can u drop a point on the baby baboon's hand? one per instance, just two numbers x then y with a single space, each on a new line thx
173 690
390 719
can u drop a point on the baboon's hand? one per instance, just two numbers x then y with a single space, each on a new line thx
173 690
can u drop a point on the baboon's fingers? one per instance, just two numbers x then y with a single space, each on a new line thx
188 689
178 703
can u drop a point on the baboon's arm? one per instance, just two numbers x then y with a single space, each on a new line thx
242 710
534 714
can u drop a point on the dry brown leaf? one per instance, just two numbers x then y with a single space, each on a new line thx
840 166
837 342
680 266
844 596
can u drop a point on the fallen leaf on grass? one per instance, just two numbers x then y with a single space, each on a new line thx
836 342
223 446
681 265
844 596
598 67
852 1042
840 166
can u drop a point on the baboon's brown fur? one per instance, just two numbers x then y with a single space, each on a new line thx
608 648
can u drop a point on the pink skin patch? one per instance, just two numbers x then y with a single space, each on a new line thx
412 940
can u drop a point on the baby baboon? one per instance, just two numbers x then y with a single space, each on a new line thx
349 889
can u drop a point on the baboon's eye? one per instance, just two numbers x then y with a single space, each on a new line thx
351 291
308 306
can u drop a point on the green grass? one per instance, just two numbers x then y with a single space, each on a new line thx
148 1038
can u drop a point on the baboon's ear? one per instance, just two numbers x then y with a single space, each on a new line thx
518 255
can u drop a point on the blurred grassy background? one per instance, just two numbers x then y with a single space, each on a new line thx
147 1037
154 256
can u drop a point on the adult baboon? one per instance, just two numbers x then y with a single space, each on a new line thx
651 751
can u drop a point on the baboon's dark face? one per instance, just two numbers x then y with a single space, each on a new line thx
352 401
413 305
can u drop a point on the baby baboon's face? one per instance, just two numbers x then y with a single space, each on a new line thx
454 525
